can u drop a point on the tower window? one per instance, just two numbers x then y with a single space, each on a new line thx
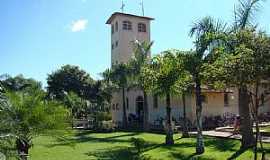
116 44
127 25
112 46
141 27
112 28
116 26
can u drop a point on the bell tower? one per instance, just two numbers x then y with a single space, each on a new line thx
125 29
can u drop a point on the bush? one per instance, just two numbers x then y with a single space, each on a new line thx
103 116
138 143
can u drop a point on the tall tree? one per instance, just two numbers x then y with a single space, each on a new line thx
141 53
69 79
261 64
236 39
194 62
19 83
160 78
184 87
244 14
118 77
245 67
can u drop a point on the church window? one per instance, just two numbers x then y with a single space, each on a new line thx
112 46
116 26
112 28
117 106
141 27
116 44
127 25
113 107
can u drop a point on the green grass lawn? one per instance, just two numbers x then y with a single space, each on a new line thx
116 146
267 129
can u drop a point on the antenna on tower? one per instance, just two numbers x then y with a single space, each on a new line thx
142 5
123 6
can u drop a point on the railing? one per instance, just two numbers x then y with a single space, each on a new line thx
83 124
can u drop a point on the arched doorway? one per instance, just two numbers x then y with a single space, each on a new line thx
139 108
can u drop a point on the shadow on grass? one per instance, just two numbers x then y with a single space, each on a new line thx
129 153
221 144
241 151
237 154
193 156
124 153
88 137
119 153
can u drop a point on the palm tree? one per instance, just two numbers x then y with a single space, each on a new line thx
184 86
244 15
118 76
160 77
141 53
25 115
196 60
234 39
247 65
185 133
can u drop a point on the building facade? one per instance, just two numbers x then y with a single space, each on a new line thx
125 28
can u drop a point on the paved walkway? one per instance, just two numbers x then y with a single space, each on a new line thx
227 135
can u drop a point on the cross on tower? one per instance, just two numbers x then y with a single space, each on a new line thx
142 7
123 6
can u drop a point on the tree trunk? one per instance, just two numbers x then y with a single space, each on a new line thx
124 109
169 129
256 140
200 143
255 116
185 128
245 122
145 112
22 148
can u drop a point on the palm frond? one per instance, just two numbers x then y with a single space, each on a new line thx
207 25
244 13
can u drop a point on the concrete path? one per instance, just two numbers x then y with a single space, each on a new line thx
227 135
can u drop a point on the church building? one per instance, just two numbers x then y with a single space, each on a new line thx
125 28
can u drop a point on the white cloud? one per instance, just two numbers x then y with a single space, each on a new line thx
79 25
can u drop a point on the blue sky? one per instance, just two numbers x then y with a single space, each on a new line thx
39 36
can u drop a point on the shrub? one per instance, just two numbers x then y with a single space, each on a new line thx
103 116
138 143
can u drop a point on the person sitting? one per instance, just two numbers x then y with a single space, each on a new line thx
236 124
